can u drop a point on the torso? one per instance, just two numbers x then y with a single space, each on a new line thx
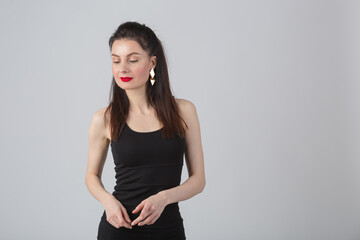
141 123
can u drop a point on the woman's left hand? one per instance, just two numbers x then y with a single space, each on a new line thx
152 207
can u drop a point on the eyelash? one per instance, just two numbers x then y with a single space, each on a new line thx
129 61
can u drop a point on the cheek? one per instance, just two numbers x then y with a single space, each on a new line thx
114 71
135 71
142 71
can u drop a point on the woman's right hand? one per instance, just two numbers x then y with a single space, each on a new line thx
116 213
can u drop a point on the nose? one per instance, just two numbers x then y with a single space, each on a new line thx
123 67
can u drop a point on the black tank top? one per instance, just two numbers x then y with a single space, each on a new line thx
146 164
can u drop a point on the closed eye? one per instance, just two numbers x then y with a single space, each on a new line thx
129 61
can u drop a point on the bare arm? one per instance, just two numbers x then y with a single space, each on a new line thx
194 158
98 148
116 213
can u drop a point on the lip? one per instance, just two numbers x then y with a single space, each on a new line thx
126 79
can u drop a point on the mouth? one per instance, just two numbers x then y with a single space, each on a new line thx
126 79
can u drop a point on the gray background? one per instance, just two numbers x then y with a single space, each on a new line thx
275 84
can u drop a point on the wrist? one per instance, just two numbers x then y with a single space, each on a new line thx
164 196
106 199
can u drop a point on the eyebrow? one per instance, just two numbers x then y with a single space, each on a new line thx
127 55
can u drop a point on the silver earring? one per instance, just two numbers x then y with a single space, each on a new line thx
152 74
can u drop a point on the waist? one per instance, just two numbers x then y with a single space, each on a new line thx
169 174
133 194
169 218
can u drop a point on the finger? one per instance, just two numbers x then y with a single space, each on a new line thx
113 222
138 207
126 215
148 220
123 223
155 218
140 218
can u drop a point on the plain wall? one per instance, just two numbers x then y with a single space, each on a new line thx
275 84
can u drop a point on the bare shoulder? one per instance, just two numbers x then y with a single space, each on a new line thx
194 155
98 116
185 105
183 102
98 144
98 123
187 110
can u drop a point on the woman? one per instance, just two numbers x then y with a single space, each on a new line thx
149 132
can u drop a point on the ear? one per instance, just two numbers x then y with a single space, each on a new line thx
153 61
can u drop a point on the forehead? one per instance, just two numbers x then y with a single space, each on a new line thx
122 47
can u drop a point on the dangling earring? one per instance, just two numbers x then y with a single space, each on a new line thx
152 74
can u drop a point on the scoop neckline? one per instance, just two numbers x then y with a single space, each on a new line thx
142 132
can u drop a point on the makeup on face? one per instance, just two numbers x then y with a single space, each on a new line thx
126 79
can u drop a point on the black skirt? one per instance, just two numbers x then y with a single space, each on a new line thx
106 231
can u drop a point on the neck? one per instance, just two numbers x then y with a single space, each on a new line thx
138 101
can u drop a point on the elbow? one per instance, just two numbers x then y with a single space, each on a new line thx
203 186
88 177
86 180
199 182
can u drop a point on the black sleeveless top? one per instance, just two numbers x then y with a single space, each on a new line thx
146 164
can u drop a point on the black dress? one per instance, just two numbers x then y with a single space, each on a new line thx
145 164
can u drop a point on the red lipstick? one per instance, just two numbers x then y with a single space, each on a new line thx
126 79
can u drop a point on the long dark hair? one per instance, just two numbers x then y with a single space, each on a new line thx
159 95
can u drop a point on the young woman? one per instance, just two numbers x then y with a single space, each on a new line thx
149 132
